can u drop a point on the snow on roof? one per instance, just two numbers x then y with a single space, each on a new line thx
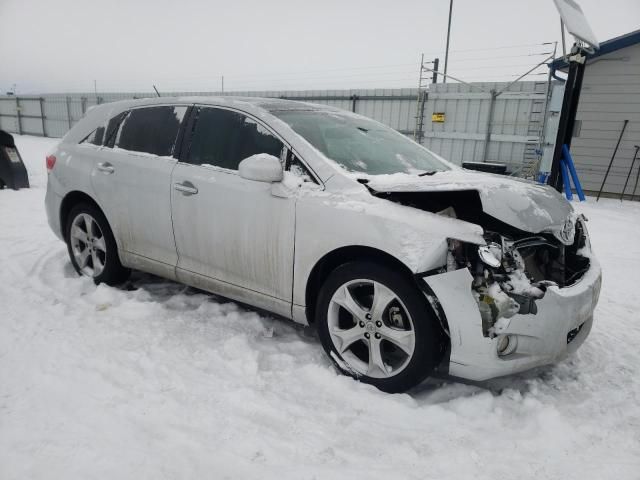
269 104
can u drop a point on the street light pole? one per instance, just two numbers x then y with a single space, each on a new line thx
446 54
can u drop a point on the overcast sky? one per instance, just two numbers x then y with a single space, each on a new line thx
64 45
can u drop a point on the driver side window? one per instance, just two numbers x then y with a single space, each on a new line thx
224 138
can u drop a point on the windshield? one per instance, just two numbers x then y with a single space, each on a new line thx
361 145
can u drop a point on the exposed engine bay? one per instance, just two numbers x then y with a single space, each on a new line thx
514 268
509 275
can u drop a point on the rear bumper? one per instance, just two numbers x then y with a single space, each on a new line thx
52 203
563 322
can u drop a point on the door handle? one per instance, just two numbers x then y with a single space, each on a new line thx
187 188
106 167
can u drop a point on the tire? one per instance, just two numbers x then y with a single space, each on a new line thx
366 316
92 247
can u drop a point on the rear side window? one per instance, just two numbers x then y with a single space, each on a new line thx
96 137
151 130
112 129
224 138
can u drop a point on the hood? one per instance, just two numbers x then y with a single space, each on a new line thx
523 204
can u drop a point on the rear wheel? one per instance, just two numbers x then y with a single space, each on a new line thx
377 326
92 247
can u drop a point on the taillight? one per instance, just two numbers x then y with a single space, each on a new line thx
51 161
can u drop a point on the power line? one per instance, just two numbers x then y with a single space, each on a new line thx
493 67
397 71
500 48
300 72
217 75
343 76
498 57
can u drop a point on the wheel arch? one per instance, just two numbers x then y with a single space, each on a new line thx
339 256
69 201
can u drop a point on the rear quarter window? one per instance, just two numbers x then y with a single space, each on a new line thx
96 137
112 128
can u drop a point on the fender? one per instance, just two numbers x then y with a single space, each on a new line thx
416 239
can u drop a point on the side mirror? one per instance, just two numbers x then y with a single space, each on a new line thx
261 167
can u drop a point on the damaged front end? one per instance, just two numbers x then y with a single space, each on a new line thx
521 296
511 273
519 261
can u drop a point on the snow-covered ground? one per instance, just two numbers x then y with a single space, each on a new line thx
162 381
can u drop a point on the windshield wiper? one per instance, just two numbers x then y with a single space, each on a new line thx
428 172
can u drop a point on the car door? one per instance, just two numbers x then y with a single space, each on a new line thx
232 235
132 179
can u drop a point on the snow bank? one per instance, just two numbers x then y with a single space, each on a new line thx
163 381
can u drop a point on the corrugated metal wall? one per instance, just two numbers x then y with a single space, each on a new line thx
460 137
517 120
610 95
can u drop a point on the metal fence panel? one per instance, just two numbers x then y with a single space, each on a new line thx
515 125
8 118
461 133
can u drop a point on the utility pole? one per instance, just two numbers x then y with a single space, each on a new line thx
418 126
446 54
222 83
95 88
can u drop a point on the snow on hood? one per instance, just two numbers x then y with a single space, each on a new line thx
521 203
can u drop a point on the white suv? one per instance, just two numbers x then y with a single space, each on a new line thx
404 262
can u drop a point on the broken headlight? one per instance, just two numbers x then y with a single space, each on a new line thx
500 282
490 254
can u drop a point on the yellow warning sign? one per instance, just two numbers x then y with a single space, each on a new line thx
437 117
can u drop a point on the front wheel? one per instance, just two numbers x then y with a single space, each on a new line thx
92 247
378 327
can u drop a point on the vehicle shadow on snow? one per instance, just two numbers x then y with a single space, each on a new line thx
162 291
443 389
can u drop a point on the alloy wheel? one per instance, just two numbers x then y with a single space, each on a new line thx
88 245
371 328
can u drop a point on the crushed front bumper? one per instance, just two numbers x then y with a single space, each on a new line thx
562 323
